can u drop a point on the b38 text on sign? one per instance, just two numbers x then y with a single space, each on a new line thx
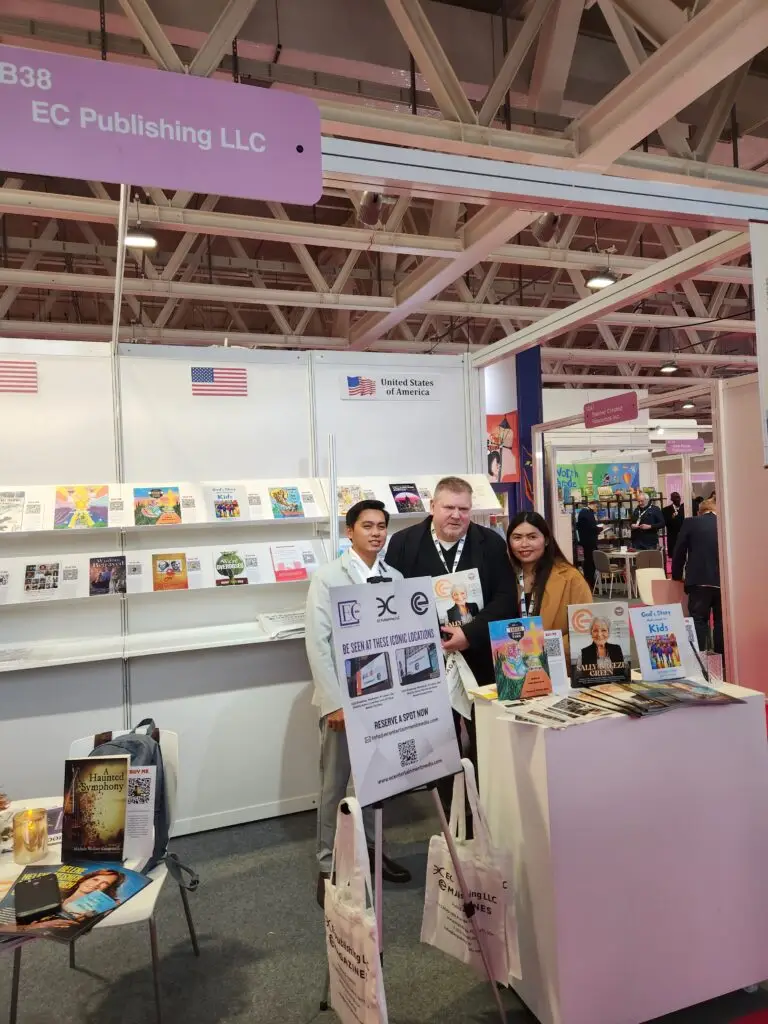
81 118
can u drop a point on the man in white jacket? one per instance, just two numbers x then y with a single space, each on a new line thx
367 523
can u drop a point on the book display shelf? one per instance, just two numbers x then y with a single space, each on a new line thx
156 551
615 514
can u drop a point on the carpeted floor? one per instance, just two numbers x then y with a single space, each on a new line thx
262 946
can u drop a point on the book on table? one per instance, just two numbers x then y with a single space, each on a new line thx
95 801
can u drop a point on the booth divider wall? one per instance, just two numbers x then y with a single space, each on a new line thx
242 708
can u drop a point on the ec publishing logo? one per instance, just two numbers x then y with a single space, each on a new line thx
385 609
420 602
349 613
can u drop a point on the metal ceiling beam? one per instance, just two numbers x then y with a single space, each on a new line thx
371 304
722 102
609 380
485 231
554 55
673 134
717 41
414 27
219 42
30 262
716 248
658 20
152 35
513 61
602 356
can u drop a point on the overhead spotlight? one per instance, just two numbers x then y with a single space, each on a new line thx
659 431
135 237
671 367
688 405
370 208
603 278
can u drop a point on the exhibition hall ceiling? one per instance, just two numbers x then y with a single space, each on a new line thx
652 89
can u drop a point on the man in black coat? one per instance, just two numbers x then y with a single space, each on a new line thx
448 541
588 531
674 516
647 520
697 552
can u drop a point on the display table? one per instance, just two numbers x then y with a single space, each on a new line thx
641 856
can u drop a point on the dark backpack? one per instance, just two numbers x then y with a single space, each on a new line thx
143 749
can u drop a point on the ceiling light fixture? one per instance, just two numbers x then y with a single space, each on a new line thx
670 367
688 405
603 278
135 237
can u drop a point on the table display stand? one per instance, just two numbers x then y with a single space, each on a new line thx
468 905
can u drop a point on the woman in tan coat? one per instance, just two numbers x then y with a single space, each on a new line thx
547 582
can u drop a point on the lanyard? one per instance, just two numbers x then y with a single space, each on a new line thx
441 553
524 609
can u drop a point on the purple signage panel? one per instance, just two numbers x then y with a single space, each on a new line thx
616 409
686 446
80 118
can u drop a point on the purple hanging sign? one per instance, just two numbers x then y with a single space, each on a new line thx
80 118
685 446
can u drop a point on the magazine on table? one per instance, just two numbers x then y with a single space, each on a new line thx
555 711
283 625
88 893
600 644
663 648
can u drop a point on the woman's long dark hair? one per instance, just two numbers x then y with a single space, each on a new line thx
552 555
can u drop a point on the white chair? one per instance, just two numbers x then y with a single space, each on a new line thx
140 907
645 579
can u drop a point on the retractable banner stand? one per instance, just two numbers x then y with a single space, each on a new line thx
399 722
758 234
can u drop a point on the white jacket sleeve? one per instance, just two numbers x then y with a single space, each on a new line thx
319 643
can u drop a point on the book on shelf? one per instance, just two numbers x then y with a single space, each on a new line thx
11 511
95 799
521 667
347 496
600 643
227 503
157 506
407 497
286 503
88 893
236 567
81 506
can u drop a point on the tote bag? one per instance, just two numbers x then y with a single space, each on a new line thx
354 965
444 924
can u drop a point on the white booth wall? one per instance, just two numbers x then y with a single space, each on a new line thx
248 732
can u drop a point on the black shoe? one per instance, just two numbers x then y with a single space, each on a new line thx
391 871
321 889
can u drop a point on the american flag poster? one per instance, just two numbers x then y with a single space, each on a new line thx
359 386
19 376
224 381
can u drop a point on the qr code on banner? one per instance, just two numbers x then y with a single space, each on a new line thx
139 791
407 751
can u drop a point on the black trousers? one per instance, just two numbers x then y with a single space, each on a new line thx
703 602
445 785
589 564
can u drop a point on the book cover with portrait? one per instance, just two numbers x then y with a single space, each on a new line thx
95 799
169 572
600 643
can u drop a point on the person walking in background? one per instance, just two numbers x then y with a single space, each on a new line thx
367 523
697 558
646 522
546 581
674 514
588 530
